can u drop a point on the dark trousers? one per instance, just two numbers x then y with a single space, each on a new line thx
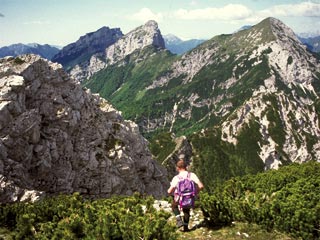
186 212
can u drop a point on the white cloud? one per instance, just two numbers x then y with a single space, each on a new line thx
193 3
236 12
304 9
145 14
228 12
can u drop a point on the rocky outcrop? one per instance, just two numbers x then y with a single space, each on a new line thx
86 46
10 192
148 34
137 39
183 149
56 137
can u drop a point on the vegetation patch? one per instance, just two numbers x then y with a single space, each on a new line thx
161 145
18 61
73 217
216 161
286 200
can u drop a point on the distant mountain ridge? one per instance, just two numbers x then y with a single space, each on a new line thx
313 43
87 45
179 46
45 51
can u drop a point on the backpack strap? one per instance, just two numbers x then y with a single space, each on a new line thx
189 175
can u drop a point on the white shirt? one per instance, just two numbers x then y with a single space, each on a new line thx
184 174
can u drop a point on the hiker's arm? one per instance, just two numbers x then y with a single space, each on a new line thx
173 185
197 181
200 186
170 190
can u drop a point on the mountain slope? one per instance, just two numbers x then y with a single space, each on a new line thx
259 82
45 51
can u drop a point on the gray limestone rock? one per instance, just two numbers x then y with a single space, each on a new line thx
56 137
146 35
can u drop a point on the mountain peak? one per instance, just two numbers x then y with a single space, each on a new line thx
149 34
172 39
87 45
267 31
272 29
282 31
145 35
151 23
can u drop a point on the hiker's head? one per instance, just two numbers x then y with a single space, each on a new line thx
181 165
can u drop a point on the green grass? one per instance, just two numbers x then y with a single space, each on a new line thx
238 230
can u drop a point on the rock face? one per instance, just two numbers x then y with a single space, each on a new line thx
183 149
86 46
148 34
57 137
137 39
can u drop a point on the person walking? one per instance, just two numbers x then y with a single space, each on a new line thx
183 174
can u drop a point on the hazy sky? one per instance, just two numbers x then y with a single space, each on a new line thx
60 22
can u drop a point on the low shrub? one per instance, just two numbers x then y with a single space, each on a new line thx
73 217
287 200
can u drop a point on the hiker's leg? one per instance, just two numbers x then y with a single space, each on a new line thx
186 218
175 210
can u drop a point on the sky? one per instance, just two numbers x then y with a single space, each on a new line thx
60 22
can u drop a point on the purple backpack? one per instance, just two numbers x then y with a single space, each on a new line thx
186 192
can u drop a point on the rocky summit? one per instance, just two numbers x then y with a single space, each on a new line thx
56 137
86 46
145 35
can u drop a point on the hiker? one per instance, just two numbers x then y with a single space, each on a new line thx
177 204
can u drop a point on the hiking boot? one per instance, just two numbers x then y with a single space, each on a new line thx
179 221
185 228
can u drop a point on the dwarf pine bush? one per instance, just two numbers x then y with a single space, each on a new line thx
73 217
287 200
